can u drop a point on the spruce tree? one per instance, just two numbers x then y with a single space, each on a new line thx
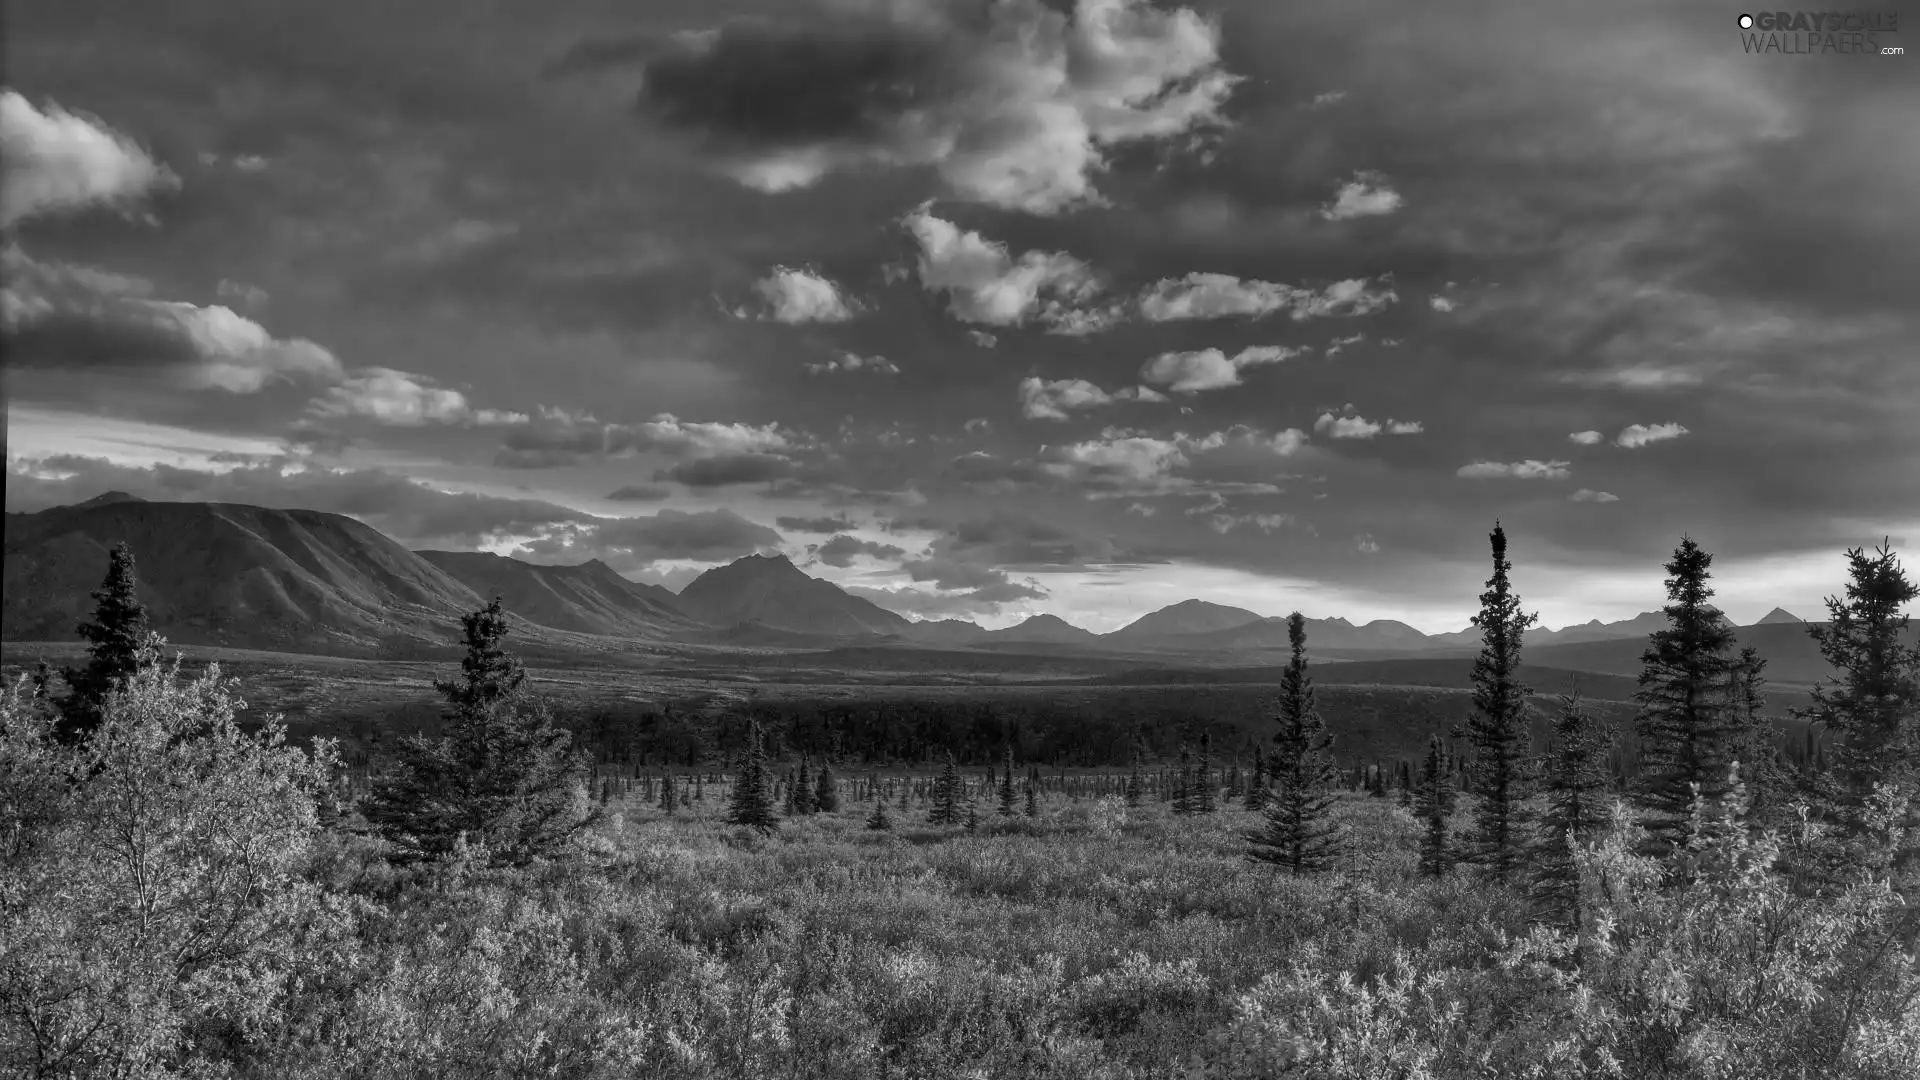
668 797
504 775
826 793
1498 728
1007 807
1183 784
751 803
973 816
1687 728
1136 784
115 640
1297 831
1033 800
1205 797
946 796
1579 802
1872 706
1433 802
879 820
1257 788
803 789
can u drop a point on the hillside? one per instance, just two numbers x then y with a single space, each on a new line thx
1045 628
590 598
772 591
223 573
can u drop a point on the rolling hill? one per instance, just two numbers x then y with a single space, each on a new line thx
590 598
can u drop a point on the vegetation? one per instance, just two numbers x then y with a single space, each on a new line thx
185 895
1498 729
115 641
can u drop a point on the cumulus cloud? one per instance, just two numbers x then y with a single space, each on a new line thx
801 296
725 470
1634 436
634 543
1585 438
399 399
1366 544
1215 296
1367 195
1339 345
1266 523
1440 303
640 493
1405 427
833 524
247 296
982 339
1590 495
841 550
55 315
1015 106
1127 462
1529 469
1209 369
847 361
60 162
555 436
1042 400
1350 425
986 284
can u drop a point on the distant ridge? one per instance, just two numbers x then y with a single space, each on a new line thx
1047 628
1779 616
590 598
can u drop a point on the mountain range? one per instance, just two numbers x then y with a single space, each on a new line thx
306 581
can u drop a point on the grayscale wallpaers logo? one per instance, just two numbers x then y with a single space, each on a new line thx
1857 33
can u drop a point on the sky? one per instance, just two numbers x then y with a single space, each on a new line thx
984 310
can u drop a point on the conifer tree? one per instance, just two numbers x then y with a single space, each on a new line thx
879 820
504 775
1296 831
973 816
751 803
1872 706
1498 728
946 796
668 797
1256 798
1136 784
1579 806
1206 798
1007 808
1183 783
826 794
803 789
115 640
1433 801
1688 729
1033 800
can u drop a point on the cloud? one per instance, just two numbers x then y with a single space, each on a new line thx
1405 427
1216 296
847 361
633 543
1585 438
982 339
64 317
1637 435
247 296
399 399
640 493
834 524
1347 427
802 296
1366 544
1328 99
60 162
1266 523
978 424
1366 195
725 470
984 283
1015 106
1209 369
1339 345
841 550
1124 462
1590 495
1529 469
1440 303
555 436
416 514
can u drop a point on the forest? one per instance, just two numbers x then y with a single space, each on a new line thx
862 889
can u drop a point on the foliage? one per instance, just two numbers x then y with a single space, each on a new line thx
119 643
1579 805
751 803
1433 803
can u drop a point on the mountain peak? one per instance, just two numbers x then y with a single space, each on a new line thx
108 498
1779 615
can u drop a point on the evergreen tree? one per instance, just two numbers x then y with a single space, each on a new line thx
946 796
1755 743
752 801
879 820
115 641
803 789
973 816
1687 727
1183 785
504 775
826 794
1257 788
1872 706
1297 832
1033 800
1433 802
1579 806
1136 784
1007 808
668 798
1498 728
1205 798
